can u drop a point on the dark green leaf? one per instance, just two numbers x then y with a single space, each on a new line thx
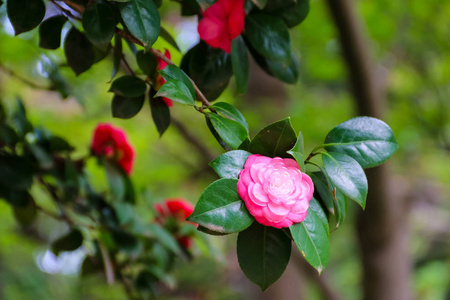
57 144
99 24
125 241
128 86
177 91
263 254
146 281
322 188
25 14
210 232
367 140
69 242
231 112
172 72
340 207
147 63
210 68
315 206
311 238
117 55
240 64
229 164
274 140
142 19
269 35
160 114
298 151
347 176
26 215
20 121
126 107
190 8
50 32
16 198
16 171
79 51
8 137
260 3
168 38
220 208
216 135
159 233
292 12
232 132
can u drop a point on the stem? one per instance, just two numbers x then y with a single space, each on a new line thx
109 271
312 163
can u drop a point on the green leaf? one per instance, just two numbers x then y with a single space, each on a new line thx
240 64
115 180
263 254
157 232
231 112
232 132
160 114
172 72
128 86
292 12
298 151
210 68
269 35
210 232
190 8
347 175
69 242
79 52
25 14
16 171
25 215
126 107
216 135
229 164
315 206
99 24
142 19
50 32
220 208
125 241
367 140
311 239
177 91
147 63
274 140
260 3
169 38
117 55
322 188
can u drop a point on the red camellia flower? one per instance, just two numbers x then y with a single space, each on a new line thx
221 23
178 210
161 65
112 143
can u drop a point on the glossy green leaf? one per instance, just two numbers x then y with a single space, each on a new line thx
210 68
142 19
210 232
160 114
232 132
69 242
172 72
311 239
263 254
269 35
126 107
216 135
315 206
367 140
169 38
25 15
128 86
240 64
220 208
231 112
99 24
177 91
50 32
229 164
117 55
79 51
322 189
147 63
298 151
16 171
347 176
292 12
274 140
340 207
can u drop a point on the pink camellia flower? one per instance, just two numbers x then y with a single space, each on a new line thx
160 80
112 143
177 209
221 23
274 190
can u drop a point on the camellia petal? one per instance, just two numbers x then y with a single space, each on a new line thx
274 190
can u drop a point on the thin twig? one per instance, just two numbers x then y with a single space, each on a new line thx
30 83
109 271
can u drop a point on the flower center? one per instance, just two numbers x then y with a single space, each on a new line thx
280 184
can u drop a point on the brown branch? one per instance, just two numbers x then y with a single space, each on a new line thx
131 38
66 11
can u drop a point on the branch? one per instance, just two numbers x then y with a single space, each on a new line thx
109 272
30 83
80 9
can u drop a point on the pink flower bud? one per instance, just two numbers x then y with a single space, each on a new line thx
112 143
274 190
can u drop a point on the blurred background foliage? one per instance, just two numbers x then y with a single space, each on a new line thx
410 44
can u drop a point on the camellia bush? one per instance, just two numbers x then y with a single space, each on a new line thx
265 192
